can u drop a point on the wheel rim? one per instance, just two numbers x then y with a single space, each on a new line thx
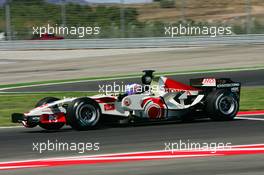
227 105
87 114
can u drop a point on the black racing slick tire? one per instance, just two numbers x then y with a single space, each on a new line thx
222 105
84 114
46 100
52 126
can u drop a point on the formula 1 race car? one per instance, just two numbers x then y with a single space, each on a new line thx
162 100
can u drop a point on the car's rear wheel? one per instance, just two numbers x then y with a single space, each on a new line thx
84 114
50 126
222 105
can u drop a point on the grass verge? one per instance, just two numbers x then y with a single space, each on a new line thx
251 99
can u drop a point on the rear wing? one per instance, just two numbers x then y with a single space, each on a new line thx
214 83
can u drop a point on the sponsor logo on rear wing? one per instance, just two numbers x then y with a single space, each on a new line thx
209 82
213 82
203 82
227 85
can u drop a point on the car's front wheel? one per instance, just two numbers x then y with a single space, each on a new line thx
51 126
84 114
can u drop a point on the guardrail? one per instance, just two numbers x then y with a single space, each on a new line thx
131 42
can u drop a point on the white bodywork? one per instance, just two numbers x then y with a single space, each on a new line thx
131 104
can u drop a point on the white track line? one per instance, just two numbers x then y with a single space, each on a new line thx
16 167
250 118
10 127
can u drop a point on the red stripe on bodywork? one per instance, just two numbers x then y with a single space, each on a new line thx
171 84
105 99
60 118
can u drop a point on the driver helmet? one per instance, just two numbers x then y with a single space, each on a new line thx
133 89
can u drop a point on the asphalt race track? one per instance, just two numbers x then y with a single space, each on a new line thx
17 143
247 78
